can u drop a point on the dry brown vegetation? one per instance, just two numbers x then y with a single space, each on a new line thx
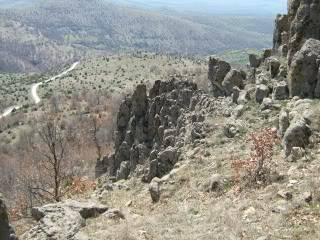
82 115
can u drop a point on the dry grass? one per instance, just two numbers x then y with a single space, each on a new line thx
186 212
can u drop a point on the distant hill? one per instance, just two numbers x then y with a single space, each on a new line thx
50 32
216 7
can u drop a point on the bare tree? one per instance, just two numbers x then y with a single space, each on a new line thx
53 151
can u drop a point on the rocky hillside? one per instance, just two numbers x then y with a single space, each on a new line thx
239 163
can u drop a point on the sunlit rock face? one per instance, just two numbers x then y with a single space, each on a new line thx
304 22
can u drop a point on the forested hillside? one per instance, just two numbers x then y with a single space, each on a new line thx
230 7
53 32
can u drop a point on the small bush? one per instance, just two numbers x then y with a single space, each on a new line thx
258 166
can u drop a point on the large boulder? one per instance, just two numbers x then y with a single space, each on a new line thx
234 78
273 66
254 60
284 122
62 220
262 91
154 190
304 77
6 231
218 69
297 135
280 91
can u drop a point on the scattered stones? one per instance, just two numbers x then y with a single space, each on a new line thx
285 194
281 207
307 197
114 214
267 103
244 97
230 130
238 111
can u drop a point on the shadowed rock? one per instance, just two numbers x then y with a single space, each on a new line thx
6 231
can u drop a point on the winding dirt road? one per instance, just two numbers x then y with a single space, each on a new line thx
34 93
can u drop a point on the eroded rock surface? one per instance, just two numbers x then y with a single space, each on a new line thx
304 75
150 130
304 22
62 220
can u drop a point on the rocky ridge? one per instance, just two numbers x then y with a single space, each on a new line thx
152 128
182 142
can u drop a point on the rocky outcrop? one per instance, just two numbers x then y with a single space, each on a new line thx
304 23
6 231
262 91
223 79
150 130
304 74
254 61
234 78
218 70
281 31
62 220
297 135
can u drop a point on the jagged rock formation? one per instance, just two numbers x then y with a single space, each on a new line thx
304 75
150 130
223 79
292 30
304 22
217 71
280 36
62 220
295 37
6 231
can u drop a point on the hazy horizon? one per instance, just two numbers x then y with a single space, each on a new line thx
214 7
